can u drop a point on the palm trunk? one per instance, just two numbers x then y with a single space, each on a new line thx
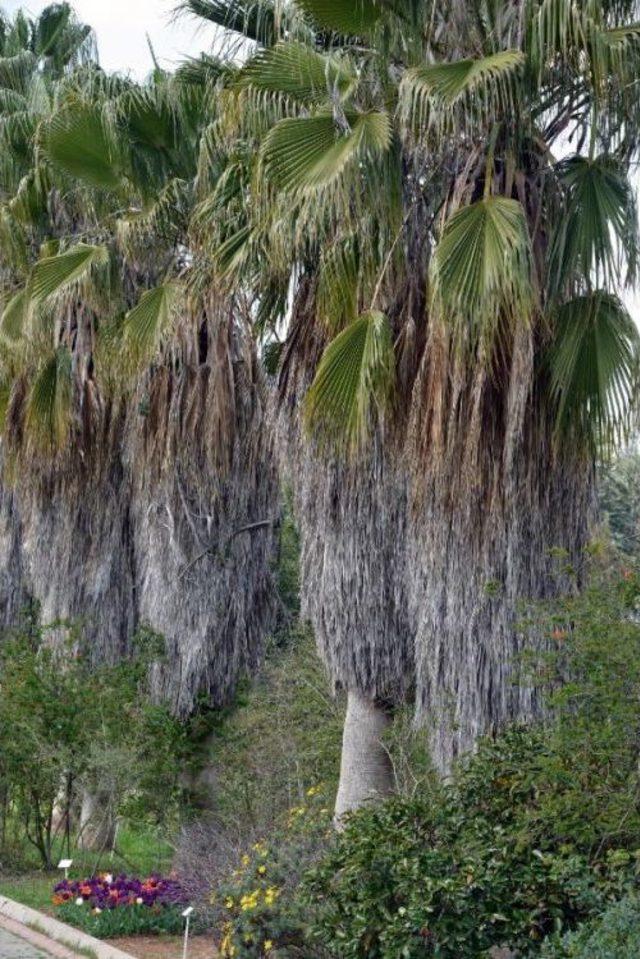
366 774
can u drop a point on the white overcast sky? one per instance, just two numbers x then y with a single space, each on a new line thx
122 27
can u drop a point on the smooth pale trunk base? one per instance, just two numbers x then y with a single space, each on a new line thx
97 826
366 774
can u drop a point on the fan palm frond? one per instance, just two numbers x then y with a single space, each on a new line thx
482 266
148 324
12 321
593 364
429 94
49 401
338 282
308 153
78 141
54 274
597 236
254 19
355 19
355 376
293 70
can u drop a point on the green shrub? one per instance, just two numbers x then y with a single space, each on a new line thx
68 724
282 736
455 873
614 935
259 910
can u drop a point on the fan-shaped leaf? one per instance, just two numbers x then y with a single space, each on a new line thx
355 374
482 265
50 26
77 141
596 236
55 273
593 364
338 280
49 401
255 19
148 323
356 18
16 71
307 154
13 316
479 87
294 70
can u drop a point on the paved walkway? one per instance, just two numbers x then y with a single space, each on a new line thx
13 948
20 942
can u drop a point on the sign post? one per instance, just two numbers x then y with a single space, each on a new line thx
66 865
186 915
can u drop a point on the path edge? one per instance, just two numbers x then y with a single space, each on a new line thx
58 932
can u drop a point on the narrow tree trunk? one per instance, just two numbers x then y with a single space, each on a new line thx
97 824
365 772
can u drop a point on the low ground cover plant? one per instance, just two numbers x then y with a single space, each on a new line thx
613 935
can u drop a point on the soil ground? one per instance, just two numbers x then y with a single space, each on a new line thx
156 947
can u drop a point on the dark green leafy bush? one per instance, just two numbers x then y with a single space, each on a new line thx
454 874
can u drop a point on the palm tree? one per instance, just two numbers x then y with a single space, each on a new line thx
434 198
144 486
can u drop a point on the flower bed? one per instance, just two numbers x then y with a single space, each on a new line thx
107 906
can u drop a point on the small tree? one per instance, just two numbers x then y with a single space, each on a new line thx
68 728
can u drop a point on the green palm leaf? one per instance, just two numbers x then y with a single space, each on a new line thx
16 71
294 70
482 265
356 18
308 153
596 237
355 374
49 401
558 29
430 93
13 316
77 141
593 365
149 322
255 19
13 242
338 281
54 274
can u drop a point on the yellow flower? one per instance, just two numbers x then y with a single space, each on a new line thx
268 945
245 860
313 791
262 870
250 900
271 894
228 902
